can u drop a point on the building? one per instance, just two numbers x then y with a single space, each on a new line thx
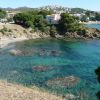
53 19
11 14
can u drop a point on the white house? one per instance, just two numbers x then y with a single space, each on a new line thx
78 15
11 14
53 19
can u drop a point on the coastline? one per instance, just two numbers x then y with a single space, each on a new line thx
18 33
5 41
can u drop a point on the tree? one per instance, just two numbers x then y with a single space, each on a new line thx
24 19
33 20
88 13
97 16
44 13
40 23
2 13
68 23
97 71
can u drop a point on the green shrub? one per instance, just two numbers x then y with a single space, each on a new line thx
32 31
9 30
24 31
4 30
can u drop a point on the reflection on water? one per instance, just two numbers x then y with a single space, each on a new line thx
38 62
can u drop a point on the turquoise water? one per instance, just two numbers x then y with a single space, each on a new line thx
93 26
77 58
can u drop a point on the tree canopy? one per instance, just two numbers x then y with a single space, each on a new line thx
97 16
2 13
68 23
37 20
33 19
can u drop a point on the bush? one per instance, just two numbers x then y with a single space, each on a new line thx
9 30
4 30
32 31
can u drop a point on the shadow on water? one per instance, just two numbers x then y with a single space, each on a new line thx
97 71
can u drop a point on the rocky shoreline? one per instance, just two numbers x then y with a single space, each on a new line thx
19 33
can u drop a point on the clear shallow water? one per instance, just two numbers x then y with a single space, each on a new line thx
93 26
77 58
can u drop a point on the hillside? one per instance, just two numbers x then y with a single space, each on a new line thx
10 91
12 32
55 8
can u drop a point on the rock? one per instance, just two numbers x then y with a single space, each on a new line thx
55 53
70 97
42 52
15 52
49 52
21 52
42 68
66 82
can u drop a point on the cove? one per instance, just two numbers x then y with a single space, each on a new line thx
40 61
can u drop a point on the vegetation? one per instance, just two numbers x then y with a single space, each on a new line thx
97 16
97 71
4 30
77 10
68 23
2 13
34 19
37 21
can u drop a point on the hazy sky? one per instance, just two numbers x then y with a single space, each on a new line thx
87 4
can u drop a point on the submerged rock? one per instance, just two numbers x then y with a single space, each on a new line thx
42 68
15 52
49 52
43 52
21 52
65 82
70 97
55 53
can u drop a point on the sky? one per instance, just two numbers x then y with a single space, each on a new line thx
87 4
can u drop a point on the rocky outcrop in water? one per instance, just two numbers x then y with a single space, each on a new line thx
16 52
65 82
42 68
45 52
